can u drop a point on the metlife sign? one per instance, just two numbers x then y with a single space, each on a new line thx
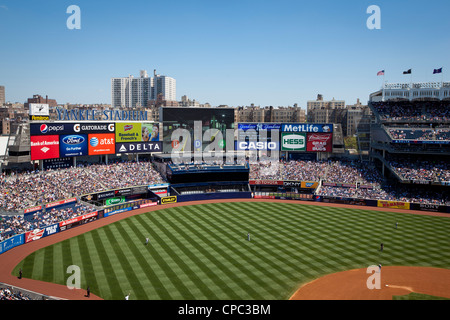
306 127
293 142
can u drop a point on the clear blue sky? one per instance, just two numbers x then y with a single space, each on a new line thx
222 52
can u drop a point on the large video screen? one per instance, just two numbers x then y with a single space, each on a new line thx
217 119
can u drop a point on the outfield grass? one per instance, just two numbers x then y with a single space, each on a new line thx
201 251
418 296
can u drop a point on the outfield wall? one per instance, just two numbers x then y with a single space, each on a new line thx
214 196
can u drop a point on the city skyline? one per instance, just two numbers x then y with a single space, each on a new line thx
236 54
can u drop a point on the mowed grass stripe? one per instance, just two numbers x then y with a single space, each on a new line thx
205 246
110 279
112 233
145 259
47 274
247 256
355 236
28 266
217 272
175 286
59 272
178 239
101 287
89 278
140 257
284 243
262 239
284 238
296 237
233 274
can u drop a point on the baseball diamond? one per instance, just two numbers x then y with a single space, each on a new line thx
200 251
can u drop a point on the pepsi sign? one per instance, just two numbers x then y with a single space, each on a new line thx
49 128
73 145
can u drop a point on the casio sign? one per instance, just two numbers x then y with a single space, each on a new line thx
257 145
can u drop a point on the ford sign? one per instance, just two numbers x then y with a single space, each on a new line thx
73 140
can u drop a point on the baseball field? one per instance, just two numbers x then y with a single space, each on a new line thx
201 251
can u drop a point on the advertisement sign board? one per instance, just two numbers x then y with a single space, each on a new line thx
171 199
101 143
293 141
44 147
139 147
319 142
128 132
73 145
306 127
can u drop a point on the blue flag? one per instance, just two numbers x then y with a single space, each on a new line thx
437 71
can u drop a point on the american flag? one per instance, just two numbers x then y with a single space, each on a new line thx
380 73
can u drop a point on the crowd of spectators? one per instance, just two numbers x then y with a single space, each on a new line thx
352 172
413 111
420 169
420 134
11 225
357 173
412 134
406 193
8 293
266 170
442 134
23 190
359 193
330 171
304 170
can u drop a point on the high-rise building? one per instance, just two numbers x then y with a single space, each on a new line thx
131 92
2 95
164 88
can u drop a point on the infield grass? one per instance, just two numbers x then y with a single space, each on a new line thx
201 251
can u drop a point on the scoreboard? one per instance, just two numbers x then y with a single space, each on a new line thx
53 140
